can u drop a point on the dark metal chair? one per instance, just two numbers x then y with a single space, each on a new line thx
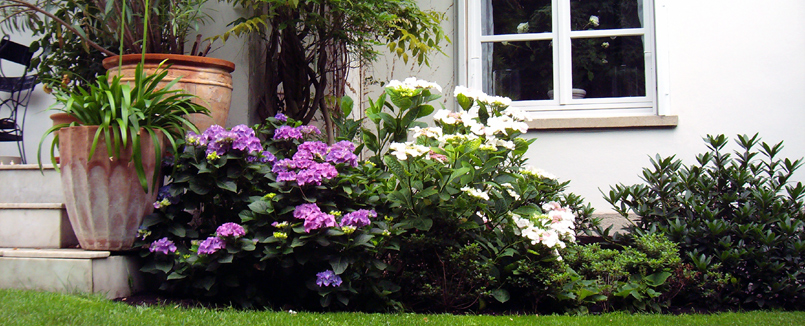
19 90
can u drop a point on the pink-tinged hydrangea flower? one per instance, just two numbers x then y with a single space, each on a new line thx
328 278
163 246
281 117
211 245
230 229
359 218
287 132
314 217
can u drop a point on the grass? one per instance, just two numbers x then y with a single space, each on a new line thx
41 308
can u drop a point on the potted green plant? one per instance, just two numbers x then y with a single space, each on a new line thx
114 147
110 156
74 54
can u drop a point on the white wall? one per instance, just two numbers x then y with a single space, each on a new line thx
37 120
735 68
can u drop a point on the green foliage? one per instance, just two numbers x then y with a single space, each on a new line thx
121 111
75 35
310 46
735 213
634 278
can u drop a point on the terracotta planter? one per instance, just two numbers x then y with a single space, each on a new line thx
208 78
61 117
104 199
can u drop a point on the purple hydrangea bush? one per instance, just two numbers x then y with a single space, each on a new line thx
268 211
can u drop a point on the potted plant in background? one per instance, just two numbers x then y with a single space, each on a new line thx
74 54
114 148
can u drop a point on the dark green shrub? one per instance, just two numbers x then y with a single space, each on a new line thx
738 214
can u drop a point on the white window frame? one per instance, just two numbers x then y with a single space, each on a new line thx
657 99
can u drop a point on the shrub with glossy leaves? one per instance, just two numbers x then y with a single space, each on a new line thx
736 213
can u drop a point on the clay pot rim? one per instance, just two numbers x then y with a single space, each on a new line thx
180 59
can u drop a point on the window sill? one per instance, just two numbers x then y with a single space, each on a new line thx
661 121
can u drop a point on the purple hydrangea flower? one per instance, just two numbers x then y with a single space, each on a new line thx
328 278
163 246
311 150
195 139
230 230
359 218
315 173
342 153
286 176
245 139
283 165
314 217
287 132
308 131
241 137
267 157
211 245
281 117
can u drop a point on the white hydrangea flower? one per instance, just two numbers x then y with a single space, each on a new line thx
402 150
595 21
469 92
496 100
535 172
430 132
475 193
419 83
517 114
510 190
500 125
522 28
445 117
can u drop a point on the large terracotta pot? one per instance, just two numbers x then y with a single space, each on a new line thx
105 202
208 78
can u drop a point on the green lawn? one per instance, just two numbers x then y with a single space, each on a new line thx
38 308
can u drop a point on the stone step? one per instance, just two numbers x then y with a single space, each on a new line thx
35 225
70 271
25 183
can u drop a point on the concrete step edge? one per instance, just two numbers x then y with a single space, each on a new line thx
32 206
26 167
52 253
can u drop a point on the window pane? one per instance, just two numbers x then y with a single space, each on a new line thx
515 16
609 66
606 14
518 70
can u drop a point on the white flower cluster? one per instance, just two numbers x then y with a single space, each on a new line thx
475 193
535 172
595 21
522 28
402 150
510 189
552 230
430 132
411 83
